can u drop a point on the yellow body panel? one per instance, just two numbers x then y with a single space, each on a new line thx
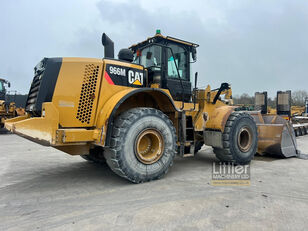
76 77
218 116
106 110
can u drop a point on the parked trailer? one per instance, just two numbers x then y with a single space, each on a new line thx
300 129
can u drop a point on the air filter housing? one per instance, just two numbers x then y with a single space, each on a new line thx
126 55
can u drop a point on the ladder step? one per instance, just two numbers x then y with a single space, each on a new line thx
188 155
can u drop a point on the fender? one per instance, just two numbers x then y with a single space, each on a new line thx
217 117
107 113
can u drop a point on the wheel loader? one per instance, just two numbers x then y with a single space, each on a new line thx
7 110
139 111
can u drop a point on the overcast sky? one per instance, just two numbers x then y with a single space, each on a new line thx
254 45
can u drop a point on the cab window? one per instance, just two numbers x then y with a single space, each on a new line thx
177 58
149 57
1 87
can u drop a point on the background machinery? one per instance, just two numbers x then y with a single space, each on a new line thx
294 115
7 110
138 111
306 107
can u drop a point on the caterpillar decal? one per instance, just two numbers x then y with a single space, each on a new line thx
124 76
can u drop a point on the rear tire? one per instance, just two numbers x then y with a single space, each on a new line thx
142 145
240 139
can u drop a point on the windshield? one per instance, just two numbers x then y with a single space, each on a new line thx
149 57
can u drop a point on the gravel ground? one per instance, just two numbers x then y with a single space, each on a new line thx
44 189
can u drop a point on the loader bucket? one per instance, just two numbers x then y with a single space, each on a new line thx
275 135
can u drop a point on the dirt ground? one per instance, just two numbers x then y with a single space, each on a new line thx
44 189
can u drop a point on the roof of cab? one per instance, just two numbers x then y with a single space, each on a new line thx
159 37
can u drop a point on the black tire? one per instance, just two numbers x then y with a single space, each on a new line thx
96 155
122 157
240 139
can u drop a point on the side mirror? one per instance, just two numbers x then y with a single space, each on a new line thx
9 84
194 54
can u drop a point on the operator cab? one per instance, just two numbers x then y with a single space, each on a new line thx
168 61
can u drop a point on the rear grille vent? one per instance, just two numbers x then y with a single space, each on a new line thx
87 94
34 90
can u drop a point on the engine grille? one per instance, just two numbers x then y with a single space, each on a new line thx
34 90
43 85
87 94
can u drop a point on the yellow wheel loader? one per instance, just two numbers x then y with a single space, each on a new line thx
7 110
136 112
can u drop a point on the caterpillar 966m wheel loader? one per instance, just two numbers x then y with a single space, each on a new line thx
136 112
7 110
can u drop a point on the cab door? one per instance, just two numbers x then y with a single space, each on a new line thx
177 73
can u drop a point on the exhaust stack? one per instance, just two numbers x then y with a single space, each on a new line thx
108 46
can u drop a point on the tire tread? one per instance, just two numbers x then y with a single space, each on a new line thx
224 154
113 153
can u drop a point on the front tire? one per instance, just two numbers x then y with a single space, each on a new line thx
240 139
142 145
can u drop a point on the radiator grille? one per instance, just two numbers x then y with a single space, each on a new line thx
87 94
34 90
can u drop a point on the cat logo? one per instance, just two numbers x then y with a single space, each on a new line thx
135 78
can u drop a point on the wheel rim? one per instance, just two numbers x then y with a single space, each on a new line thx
149 146
244 139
